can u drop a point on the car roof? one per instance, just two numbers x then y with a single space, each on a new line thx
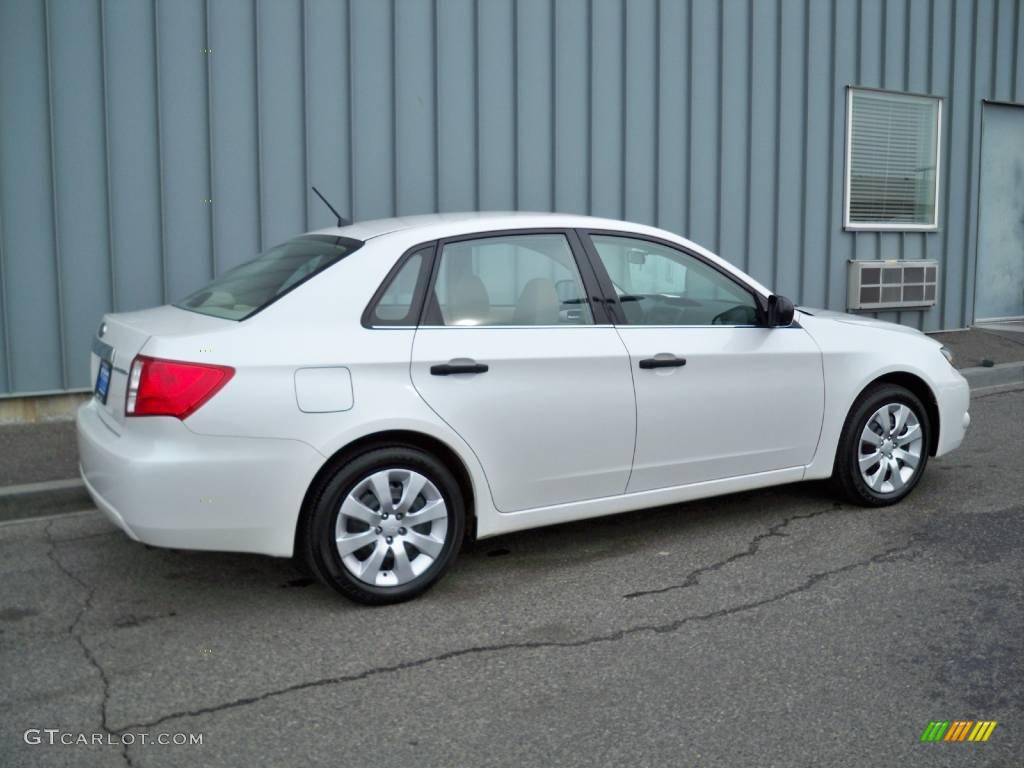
446 224
408 230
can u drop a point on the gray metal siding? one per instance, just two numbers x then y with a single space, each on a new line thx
724 121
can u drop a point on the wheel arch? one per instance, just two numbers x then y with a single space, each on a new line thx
924 393
406 437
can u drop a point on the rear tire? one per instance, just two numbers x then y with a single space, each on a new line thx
385 526
883 448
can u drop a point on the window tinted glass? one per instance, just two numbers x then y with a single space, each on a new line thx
658 285
509 280
396 302
256 284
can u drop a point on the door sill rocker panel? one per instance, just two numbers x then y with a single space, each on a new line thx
508 522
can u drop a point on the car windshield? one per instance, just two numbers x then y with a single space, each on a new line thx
257 284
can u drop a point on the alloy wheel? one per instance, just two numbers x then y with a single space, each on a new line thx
890 448
391 527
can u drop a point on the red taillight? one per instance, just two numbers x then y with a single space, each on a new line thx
171 387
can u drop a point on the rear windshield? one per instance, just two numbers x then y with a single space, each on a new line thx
248 288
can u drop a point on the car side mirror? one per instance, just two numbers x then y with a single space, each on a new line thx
780 311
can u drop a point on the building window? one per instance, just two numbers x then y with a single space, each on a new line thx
892 160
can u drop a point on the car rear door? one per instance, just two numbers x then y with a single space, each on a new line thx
717 395
514 356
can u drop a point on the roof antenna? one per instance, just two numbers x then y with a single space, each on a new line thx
341 222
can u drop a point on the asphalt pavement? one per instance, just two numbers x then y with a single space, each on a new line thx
770 628
980 346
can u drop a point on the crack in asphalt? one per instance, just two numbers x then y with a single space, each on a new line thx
75 631
70 539
693 577
888 555
983 395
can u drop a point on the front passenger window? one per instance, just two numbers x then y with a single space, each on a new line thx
509 280
659 285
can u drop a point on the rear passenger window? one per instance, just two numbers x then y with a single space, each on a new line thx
509 280
396 306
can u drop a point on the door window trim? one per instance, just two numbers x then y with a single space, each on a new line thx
611 299
591 286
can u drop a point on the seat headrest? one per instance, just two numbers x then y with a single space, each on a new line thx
468 302
538 304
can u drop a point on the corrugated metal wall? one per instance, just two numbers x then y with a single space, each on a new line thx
724 121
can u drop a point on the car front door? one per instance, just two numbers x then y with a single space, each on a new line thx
717 394
512 354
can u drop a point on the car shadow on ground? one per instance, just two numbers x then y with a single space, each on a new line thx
552 548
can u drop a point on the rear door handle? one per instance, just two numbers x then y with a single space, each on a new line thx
663 360
458 365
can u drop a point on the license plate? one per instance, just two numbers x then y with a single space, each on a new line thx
103 381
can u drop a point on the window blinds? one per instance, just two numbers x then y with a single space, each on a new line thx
893 160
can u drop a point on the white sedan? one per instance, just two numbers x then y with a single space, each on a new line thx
367 397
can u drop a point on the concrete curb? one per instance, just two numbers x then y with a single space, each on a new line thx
22 502
995 376
53 497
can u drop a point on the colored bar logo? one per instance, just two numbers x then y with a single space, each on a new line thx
958 730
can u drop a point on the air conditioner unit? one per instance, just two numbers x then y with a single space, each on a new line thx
892 284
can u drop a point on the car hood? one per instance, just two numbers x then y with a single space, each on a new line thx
843 317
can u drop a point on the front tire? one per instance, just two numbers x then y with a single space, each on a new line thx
384 526
883 448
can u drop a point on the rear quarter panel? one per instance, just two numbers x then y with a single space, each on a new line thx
318 324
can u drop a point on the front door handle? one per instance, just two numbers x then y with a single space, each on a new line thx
458 365
663 360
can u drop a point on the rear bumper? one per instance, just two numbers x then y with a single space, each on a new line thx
167 486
